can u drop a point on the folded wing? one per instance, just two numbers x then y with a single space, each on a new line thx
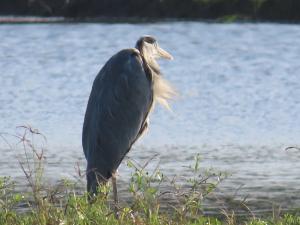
119 103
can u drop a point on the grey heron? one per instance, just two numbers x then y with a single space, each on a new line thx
123 94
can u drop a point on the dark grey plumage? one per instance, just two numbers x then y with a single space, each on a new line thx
120 101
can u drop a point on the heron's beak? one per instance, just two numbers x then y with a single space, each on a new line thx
164 54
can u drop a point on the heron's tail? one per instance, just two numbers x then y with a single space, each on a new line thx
94 180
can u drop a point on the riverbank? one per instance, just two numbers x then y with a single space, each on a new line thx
135 10
64 204
153 198
148 201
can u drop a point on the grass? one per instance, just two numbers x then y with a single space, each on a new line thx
63 205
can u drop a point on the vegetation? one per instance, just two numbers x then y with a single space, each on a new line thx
63 205
262 10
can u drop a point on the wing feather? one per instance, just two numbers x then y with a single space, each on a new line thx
119 103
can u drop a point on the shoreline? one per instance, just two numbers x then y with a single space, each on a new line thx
212 205
131 20
260 204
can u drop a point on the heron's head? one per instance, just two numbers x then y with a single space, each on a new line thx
150 49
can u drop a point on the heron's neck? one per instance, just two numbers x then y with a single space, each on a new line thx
151 62
162 89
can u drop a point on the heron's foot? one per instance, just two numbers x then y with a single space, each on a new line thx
115 192
91 198
116 212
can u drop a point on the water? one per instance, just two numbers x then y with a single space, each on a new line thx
238 106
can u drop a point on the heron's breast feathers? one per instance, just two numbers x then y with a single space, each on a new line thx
162 90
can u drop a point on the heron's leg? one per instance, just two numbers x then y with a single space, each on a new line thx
115 192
